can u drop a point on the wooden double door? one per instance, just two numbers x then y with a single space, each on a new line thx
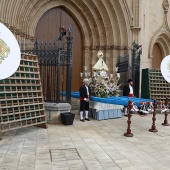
47 30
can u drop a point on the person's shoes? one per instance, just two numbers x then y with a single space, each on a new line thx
82 120
125 114
87 119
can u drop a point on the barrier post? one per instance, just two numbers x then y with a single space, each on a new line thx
166 114
153 127
128 133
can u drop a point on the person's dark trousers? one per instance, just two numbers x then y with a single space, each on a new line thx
84 106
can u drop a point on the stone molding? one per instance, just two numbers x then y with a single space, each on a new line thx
106 47
135 28
17 31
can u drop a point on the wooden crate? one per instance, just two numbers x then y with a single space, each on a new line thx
21 99
154 86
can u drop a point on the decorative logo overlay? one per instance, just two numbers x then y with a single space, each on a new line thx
10 54
165 68
4 50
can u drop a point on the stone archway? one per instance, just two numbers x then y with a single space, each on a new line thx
105 25
162 38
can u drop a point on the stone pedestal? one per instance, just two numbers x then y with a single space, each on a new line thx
75 103
53 111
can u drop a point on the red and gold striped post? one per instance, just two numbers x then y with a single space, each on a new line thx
153 127
166 114
128 133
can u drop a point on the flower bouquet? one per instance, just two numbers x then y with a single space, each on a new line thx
104 86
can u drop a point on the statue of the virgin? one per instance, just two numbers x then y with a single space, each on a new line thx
100 65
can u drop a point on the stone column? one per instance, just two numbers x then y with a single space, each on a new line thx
87 60
109 60
136 20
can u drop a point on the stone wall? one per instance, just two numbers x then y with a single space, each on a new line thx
105 24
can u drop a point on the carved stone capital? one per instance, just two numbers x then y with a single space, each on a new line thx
1 21
137 29
27 36
7 25
13 29
23 34
18 31
165 6
32 38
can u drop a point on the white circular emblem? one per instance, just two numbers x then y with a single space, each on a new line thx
10 54
165 68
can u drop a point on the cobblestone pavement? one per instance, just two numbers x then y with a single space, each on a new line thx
88 145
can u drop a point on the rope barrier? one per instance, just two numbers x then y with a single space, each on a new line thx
146 109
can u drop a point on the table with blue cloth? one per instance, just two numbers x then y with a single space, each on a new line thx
107 108
101 111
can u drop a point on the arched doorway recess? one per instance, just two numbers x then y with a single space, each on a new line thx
157 56
47 30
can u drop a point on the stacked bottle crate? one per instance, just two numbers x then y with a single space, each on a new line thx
21 99
154 86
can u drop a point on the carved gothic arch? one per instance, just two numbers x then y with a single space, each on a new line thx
105 24
162 36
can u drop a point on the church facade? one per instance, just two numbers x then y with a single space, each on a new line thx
107 25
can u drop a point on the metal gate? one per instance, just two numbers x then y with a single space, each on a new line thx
136 53
123 67
55 62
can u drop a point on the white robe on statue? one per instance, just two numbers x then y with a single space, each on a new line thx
100 65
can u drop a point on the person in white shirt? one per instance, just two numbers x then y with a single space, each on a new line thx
128 91
85 93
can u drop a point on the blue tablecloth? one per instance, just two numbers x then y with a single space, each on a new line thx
121 100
